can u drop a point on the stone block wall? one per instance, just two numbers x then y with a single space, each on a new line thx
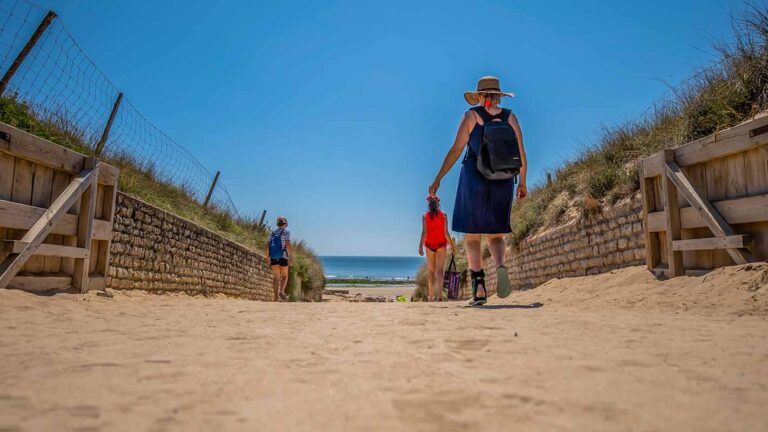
155 250
598 244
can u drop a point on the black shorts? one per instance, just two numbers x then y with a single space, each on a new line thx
282 262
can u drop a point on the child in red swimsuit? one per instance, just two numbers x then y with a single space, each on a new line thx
435 236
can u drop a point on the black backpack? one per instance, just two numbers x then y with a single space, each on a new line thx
499 157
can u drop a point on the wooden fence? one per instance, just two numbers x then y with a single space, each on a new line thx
705 203
56 211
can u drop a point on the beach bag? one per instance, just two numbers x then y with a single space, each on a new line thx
499 157
276 248
451 280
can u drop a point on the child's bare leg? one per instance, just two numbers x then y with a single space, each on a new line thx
430 274
439 272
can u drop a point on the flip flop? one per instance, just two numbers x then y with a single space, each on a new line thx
503 287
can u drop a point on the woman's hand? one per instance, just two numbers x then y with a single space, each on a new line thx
434 187
421 251
522 191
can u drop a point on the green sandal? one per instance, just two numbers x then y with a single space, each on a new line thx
503 287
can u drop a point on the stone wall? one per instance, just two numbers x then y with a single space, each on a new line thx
610 240
158 251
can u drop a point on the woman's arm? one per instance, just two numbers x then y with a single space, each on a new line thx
462 136
289 249
522 190
423 235
448 235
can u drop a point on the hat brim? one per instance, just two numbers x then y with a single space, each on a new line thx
473 98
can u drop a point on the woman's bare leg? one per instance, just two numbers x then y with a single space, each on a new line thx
474 254
497 248
276 280
430 274
439 272
283 279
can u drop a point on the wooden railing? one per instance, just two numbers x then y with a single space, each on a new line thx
705 203
56 212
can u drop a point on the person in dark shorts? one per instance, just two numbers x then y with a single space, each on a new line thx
483 207
281 257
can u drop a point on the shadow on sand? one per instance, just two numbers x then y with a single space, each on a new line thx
509 306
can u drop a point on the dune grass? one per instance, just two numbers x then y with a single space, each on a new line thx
725 94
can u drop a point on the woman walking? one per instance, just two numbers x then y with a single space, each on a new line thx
435 236
483 206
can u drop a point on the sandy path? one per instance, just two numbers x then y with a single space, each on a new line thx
613 352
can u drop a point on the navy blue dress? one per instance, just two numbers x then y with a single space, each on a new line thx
482 206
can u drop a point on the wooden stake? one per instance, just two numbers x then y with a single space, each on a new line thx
25 51
210 191
105 135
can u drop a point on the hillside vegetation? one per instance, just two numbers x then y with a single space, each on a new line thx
725 94
730 91
143 182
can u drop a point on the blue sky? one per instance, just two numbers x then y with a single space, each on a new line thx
338 114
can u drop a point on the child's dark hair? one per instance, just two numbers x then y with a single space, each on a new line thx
434 206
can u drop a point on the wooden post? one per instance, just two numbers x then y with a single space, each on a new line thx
85 230
25 51
105 135
210 191
651 239
549 179
672 225
263 215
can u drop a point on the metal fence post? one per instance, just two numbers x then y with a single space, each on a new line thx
210 191
25 51
105 135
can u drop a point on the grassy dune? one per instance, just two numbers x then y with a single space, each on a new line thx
143 182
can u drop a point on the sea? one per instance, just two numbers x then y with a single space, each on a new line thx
369 267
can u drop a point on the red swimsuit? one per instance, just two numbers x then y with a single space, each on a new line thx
435 231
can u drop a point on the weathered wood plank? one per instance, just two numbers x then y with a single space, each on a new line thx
42 227
97 283
41 197
651 239
17 246
37 283
729 242
85 230
7 163
21 217
60 182
730 141
746 210
705 209
24 145
672 218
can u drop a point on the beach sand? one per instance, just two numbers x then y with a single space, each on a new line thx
618 351
387 291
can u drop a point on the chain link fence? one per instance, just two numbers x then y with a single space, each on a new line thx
61 85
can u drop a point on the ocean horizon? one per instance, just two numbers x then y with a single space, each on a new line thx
371 267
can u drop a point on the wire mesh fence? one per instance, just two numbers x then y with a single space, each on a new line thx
61 85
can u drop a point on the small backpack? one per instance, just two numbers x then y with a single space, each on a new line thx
276 248
499 157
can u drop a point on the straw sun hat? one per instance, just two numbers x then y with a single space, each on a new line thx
487 84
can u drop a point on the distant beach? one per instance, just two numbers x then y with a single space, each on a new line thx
371 271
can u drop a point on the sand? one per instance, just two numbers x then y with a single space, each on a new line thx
612 352
388 292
